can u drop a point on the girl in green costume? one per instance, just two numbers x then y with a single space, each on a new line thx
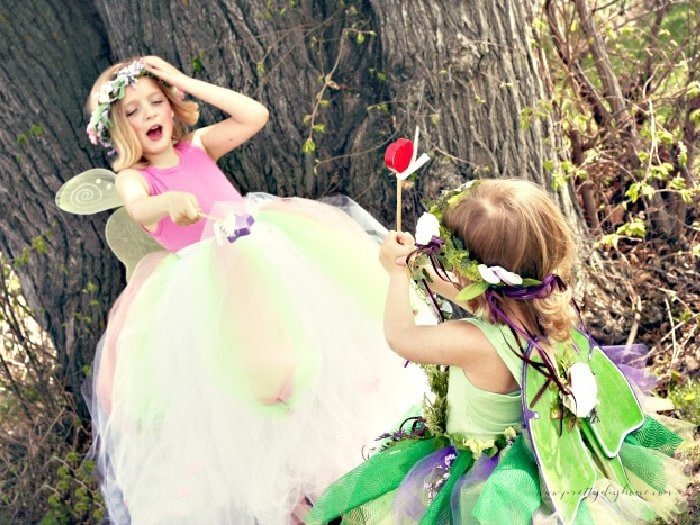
531 422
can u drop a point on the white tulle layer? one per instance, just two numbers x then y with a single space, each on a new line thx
234 381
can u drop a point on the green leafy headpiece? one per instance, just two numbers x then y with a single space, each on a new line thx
447 252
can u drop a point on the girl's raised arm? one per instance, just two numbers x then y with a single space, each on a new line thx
247 116
450 343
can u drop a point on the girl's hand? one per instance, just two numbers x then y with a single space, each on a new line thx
164 71
183 207
394 250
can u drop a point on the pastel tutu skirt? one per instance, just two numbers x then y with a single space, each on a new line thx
238 379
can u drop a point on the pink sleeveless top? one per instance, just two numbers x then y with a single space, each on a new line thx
196 173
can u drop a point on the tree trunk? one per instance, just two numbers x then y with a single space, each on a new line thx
341 79
465 72
49 56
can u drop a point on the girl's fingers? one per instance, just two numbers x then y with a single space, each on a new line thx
405 239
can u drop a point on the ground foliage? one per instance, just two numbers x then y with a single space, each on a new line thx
626 99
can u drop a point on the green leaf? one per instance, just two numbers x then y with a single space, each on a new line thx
360 38
634 228
677 183
687 195
308 147
661 171
665 137
633 192
609 240
472 291
693 89
682 154
321 128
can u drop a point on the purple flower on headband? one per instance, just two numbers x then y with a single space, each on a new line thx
497 274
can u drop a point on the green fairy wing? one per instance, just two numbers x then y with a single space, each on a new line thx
567 468
93 191
89 192
575 453
129 242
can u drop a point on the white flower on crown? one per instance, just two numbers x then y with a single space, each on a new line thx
584 390
427 227
105 94
497 274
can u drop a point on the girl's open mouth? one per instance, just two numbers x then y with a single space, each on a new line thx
155 133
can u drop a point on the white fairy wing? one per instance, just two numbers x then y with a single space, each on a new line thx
89 192
129 242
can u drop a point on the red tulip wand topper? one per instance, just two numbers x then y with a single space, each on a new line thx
400 158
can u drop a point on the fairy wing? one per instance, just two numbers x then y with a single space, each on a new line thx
129 242
567 468
573 458
93 191
89 192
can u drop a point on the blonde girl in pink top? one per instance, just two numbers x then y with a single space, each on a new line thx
244 366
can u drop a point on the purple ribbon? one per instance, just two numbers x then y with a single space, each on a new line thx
540 291
433 247
432 250
547 367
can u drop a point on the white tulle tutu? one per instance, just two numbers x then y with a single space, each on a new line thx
236 380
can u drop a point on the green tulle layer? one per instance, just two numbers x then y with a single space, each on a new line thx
510 495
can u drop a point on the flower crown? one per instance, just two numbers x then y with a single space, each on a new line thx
447 251
109 92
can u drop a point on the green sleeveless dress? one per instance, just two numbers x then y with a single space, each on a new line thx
485 468
477 413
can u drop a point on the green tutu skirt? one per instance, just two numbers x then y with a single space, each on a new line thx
429 481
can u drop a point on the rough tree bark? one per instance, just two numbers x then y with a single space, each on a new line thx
49 55
465 71
367 71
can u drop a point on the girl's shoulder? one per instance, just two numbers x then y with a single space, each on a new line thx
132 183
502 340
192 142
129 176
